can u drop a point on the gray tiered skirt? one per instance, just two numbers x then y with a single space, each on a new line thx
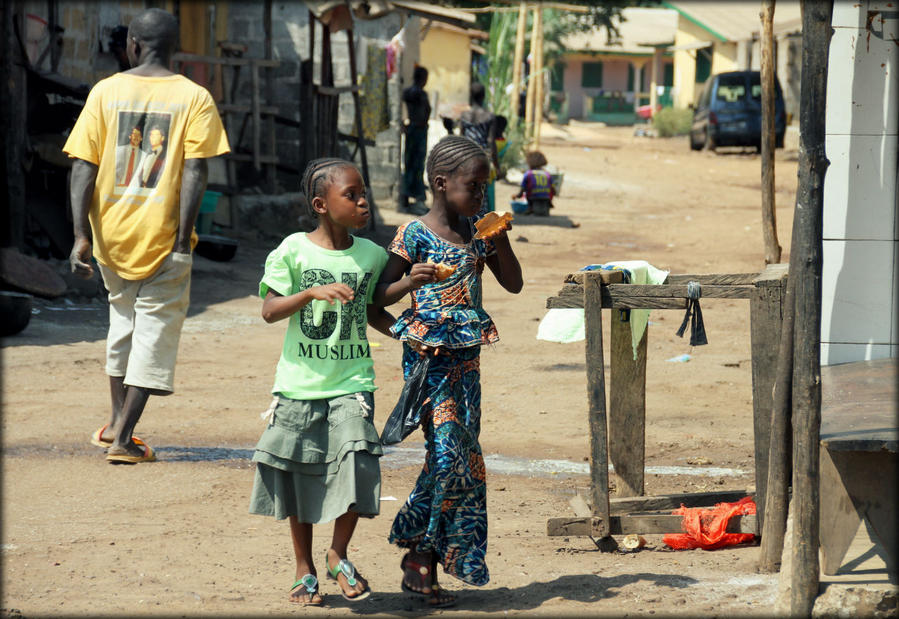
318 459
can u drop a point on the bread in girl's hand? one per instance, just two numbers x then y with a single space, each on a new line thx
443 270
492 224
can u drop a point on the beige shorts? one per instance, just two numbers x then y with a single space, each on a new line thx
145 319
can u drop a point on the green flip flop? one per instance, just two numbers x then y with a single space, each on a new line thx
349 572
310 582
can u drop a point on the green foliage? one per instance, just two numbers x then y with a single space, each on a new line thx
671 121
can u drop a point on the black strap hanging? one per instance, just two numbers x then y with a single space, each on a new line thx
694 316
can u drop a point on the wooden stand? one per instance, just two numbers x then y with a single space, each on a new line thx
619 435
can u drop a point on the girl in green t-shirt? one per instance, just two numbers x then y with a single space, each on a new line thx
317 460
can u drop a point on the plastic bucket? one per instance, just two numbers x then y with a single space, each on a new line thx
208 205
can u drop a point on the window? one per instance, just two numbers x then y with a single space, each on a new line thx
591 76
630 77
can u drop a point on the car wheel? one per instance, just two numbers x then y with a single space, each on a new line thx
694 145
709 142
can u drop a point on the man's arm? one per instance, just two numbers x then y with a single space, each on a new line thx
81 190
193 184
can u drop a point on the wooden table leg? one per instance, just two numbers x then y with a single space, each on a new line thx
596 399
627 406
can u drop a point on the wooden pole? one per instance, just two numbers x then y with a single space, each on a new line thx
774 521
596 400
538 75
654 80
816 33
769 216
514 97
529 105
12 124
360 134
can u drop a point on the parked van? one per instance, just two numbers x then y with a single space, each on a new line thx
729 112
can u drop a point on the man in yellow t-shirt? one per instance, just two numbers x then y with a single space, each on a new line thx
135 209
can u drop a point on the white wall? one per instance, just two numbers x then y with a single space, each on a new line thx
860 294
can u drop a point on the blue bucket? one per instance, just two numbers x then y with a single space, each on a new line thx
208 205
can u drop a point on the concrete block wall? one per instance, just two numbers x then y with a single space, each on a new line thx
290 45
860 280
85 52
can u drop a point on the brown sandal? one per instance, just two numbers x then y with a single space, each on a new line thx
436 596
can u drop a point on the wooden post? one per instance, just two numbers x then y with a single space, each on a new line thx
766 318
654 80
767 146
271 137
357 109
780 457
519 58
627 406
538 75
12 124
806 256
529 104
596 399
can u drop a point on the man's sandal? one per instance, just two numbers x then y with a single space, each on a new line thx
310 582
97 438
436 597
349 572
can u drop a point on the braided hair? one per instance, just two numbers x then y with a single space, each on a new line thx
451 153
318 175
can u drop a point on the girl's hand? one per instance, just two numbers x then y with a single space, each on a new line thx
424 350
332 292
501 231
422 273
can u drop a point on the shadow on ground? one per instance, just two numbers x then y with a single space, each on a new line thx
585 588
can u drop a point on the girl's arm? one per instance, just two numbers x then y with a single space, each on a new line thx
393 285
380 319
504 264
277 307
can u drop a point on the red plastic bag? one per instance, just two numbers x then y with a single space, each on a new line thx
707 527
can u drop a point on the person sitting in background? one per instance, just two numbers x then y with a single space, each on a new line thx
536 185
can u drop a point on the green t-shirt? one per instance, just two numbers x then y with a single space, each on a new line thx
326 352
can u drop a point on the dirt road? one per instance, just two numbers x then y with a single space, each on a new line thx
80 537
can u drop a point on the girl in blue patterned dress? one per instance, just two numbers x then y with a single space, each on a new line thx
444 520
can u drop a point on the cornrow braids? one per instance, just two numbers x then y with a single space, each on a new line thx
451 153
317 175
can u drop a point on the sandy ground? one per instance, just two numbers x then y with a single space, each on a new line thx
81 537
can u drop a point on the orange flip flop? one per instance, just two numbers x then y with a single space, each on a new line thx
96 438
148 455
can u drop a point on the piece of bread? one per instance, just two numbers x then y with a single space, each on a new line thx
492 223
443 271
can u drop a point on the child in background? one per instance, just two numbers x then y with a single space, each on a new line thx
317 459
444 520
536 185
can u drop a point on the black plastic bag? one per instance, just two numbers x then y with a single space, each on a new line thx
406 415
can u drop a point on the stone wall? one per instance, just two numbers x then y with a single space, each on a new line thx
290 45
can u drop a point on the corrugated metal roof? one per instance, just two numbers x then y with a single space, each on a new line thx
736 20
640 30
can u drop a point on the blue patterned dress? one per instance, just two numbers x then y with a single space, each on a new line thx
447 510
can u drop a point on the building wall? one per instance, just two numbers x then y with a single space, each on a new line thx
614 77
290 41
85 52
447 57
724 58
860 293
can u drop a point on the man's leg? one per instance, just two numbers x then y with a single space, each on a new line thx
133 404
